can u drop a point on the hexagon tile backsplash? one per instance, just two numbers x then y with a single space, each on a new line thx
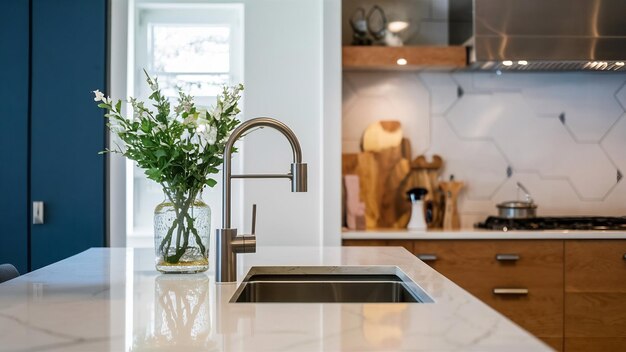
563 135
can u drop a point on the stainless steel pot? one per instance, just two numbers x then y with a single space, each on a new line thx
518 209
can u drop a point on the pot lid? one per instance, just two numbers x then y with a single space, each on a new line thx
517 205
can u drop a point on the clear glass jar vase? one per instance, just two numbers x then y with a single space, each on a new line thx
182 225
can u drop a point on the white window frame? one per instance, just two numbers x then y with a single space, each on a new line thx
140 14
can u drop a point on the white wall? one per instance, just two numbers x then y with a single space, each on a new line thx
292 70
563 135
331 125
283 77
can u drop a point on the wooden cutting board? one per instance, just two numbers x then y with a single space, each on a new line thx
381 135
381 176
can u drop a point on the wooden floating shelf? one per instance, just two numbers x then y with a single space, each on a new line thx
417 57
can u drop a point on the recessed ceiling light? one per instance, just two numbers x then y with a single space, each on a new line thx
619 63
401 61
522 62
507 63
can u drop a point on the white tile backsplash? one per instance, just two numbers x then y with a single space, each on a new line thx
443 91
386 96
615 144
477 159
562 134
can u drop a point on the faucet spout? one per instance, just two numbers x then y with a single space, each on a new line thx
298 175
227 239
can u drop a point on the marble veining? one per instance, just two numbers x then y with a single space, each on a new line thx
114 300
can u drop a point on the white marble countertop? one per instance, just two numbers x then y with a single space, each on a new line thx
477 234
114 300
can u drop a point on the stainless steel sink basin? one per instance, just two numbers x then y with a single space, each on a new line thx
379 284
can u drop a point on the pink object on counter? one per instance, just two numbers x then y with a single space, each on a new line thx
355 209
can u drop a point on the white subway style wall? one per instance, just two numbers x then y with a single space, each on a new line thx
563 135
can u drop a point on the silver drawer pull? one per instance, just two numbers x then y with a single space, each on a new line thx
507 257
427 257
510 291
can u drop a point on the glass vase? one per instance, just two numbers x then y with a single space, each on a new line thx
182 225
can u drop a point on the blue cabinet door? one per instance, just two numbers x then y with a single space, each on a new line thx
14 86
67 129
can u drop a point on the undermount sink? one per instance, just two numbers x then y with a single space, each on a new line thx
342 284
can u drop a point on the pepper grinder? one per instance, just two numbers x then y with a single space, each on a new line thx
451 190
416 196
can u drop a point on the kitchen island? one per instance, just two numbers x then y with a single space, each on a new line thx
114 300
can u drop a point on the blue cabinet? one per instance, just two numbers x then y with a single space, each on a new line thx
14 92
60 135
67 129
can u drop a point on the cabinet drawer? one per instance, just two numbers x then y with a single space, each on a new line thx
504 262
480 267
595 266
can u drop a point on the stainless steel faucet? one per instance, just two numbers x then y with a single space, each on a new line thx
228 243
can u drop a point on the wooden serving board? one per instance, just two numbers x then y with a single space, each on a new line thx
384 181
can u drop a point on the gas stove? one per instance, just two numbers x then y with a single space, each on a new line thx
593 223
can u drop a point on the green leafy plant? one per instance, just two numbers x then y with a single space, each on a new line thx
179 148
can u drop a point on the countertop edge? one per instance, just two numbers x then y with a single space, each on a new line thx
473 234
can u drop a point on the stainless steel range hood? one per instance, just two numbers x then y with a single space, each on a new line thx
550 35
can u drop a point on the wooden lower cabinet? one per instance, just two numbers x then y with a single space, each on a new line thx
595 295
570 293
490 269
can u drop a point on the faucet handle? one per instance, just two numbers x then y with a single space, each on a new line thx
246 243
253 219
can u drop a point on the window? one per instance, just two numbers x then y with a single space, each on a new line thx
198 47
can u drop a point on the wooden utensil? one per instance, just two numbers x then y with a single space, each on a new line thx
381 135
380 176
451 190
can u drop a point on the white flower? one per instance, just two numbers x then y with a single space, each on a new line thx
189 120
187 106
202 118
116 128
207 135
211 135
99 96
200 129
185 135
217 112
